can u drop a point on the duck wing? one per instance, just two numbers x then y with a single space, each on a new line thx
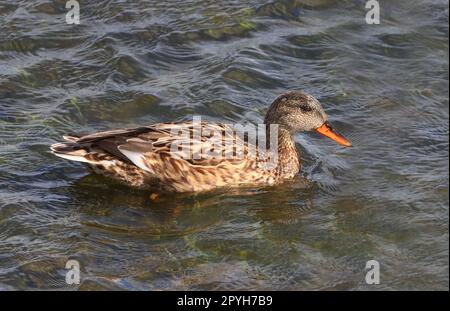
175 153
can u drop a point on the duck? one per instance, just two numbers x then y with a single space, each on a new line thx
197 156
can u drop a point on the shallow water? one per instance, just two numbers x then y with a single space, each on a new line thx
139 62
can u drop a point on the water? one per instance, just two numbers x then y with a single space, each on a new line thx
138 62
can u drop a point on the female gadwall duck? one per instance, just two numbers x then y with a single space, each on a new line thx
145 157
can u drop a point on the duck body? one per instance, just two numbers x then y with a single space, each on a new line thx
143 157
193 157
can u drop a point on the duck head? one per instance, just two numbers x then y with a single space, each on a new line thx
299 112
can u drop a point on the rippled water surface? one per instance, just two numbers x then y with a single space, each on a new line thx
131 63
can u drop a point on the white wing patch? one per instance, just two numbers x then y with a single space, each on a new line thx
135 157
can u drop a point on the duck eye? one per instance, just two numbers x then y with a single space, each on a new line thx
305 108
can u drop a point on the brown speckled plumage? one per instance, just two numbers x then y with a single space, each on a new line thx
142 157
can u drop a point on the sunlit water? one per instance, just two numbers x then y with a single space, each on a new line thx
138 62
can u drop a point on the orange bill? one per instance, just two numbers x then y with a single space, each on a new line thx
329 132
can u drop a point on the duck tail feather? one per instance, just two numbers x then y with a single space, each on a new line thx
71 151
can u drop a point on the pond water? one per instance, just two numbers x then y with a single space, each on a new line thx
131 63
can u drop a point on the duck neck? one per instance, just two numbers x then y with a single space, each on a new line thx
288 160
288 164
